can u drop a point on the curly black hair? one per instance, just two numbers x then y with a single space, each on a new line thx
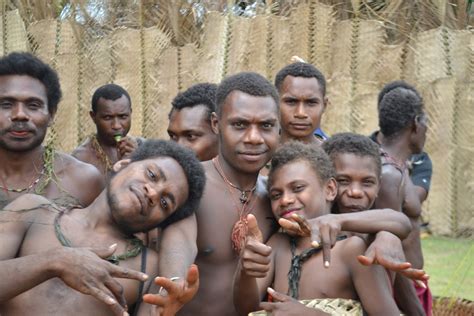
300 69
25 64
192 169
351 143
109 92
393 85
294 151
198 94
398 109
250 83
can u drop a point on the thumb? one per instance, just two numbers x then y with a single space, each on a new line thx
253 230
277 296
193 275
104 252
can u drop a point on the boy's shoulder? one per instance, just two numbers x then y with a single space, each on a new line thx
279 240
350 248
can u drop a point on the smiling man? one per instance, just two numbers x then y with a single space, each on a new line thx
44 266
112 115
190 120
29 97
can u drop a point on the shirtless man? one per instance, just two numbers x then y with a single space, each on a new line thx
402 123
160 184
112 115
302 90
29 97
301 183
190 120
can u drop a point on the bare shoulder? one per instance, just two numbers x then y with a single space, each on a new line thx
27 201
391 176
351 247
84 151
75 167
279 241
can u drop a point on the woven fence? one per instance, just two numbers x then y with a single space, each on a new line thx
355 55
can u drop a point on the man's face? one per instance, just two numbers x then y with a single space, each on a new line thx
302 104
113 117
358 182
24 115
296 188
144 193
191 127
248 131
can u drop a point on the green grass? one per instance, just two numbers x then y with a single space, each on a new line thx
450 264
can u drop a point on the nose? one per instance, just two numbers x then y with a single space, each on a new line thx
116 124
253 136
300 111
152 193
355 191
287 199
19 113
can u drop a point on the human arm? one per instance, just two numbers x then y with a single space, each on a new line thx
284 305
254 271
391 190
371 283
406 297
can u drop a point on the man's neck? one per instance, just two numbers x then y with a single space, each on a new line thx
395 147
98 215
105 143
310 139
21 163
243 181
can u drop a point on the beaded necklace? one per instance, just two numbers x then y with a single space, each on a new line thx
100 153
240 228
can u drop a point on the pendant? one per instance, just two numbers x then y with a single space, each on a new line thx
243 197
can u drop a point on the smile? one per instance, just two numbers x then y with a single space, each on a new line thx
141 200
287 213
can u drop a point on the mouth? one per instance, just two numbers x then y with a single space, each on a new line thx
20 133
355 208
287 213
252 156
141 200
300 126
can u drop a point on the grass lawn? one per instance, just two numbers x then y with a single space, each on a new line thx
450 264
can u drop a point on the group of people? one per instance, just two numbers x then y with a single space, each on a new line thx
249 206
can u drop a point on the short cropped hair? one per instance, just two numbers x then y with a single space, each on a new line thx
198 94
298 151
192 167
250 83
25 64
109 92
398 109
350 143
300 69
393 85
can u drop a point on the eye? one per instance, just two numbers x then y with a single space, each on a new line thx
275 196
267 125
290 101
107 118
5 104
164 204
151 175
123 116
299 188
238 125
191 137
369 182
173 136
343 181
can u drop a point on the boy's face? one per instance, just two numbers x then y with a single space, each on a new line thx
358 182
296 188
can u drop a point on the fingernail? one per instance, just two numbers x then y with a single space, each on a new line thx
125 314
144 276
111 300
113 246
326 264
270 290
315 244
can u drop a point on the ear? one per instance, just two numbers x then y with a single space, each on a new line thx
325 103
119 165
214 123
92 115
330 190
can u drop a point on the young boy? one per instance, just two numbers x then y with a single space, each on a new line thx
301 182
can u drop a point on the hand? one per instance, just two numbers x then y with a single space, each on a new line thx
85 270
255 256
387 251
178 293
126 146
284 305
323 231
